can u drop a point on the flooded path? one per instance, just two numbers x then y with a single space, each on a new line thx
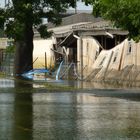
95 114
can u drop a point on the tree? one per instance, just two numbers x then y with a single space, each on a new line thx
124 14
25 15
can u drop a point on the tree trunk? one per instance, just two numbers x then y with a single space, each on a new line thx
24 52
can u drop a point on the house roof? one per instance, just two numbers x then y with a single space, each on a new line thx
84 24
63 31
99 28
76 18
88 28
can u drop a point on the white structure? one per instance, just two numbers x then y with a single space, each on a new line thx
42 47
87 52
3 43
120 62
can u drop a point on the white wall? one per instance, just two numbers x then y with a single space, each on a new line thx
40 47
90 52
131 53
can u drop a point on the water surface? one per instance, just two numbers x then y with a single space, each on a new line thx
102 114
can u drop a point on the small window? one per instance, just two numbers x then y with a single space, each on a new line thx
96 54
115 57
87 48
129 47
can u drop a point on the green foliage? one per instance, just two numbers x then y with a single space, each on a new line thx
10 49
124 13
28 13
43 32
14 29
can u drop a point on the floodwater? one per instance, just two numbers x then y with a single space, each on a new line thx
89 114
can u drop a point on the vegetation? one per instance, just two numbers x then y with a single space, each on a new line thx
10 49
21 18
2 75
124 13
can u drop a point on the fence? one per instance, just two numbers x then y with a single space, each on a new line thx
6 63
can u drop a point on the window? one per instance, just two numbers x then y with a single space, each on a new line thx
129 47
87 48
115 57
96 54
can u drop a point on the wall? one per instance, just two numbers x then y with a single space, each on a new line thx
90 51
40 47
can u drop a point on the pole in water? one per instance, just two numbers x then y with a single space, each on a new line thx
45 60
45 64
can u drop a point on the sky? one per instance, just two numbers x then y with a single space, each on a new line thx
80 5
1 3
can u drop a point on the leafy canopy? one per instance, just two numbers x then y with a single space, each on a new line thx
23 13
124 13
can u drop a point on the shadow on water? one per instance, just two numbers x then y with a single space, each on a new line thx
23 111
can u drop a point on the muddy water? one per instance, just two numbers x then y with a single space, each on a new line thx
95 114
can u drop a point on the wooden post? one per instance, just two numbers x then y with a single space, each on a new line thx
45 60
81 57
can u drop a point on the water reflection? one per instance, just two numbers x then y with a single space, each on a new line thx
23 112
55 116
102 114
6 115
6 83
84 116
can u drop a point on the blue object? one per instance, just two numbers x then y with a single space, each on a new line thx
58 71
30 73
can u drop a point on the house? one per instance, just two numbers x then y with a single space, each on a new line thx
82 42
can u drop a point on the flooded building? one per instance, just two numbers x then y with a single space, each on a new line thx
120 63
82 42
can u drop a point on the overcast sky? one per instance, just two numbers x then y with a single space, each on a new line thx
1 3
